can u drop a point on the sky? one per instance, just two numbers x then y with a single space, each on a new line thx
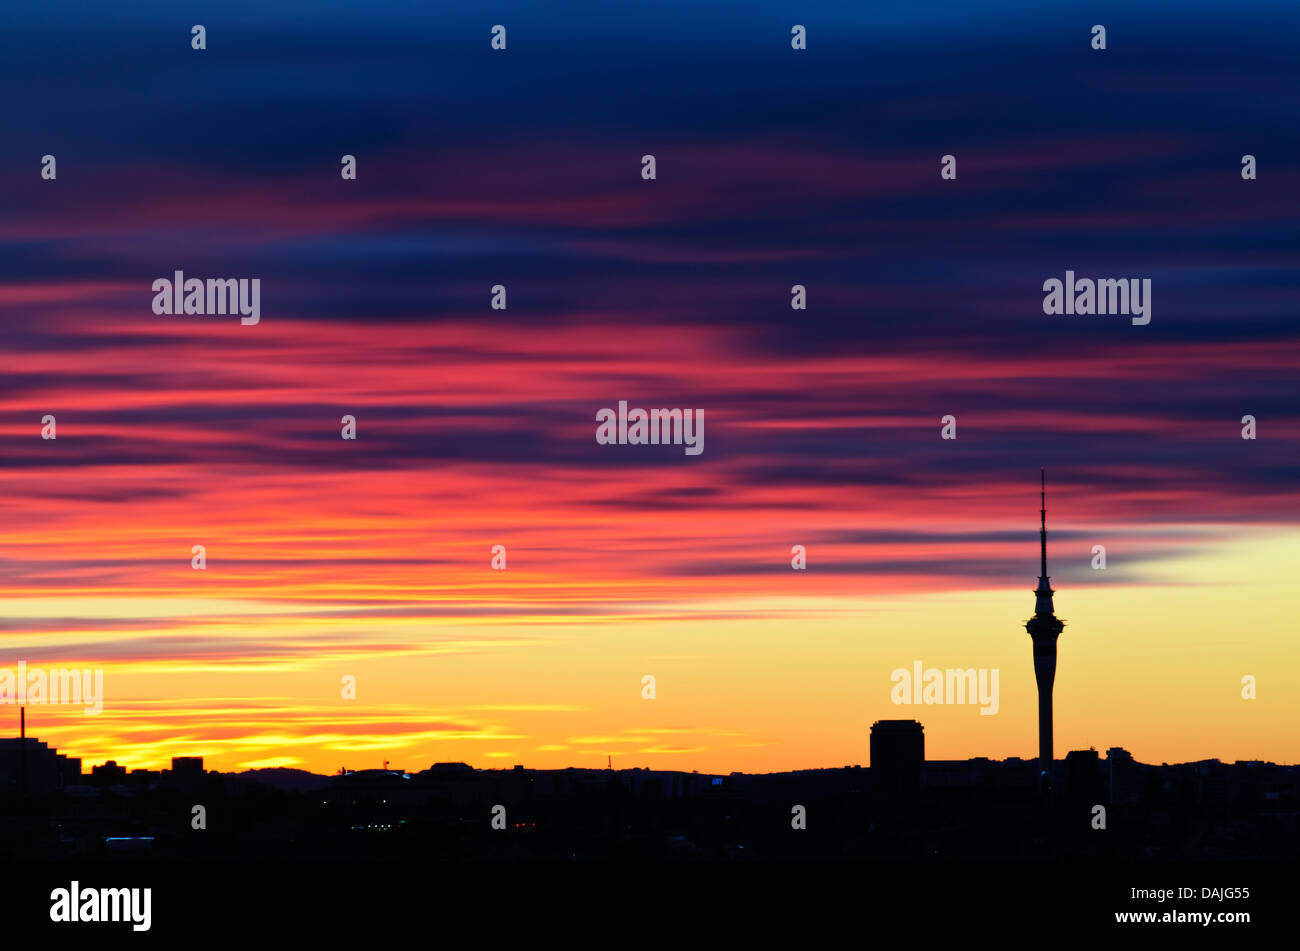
371 559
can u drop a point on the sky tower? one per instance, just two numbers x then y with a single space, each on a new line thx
1044 627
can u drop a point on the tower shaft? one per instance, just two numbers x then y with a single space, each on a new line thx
1044 627
1045 674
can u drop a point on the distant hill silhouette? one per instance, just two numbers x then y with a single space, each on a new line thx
286 779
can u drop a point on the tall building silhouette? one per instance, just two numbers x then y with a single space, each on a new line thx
29 766
1044 627
897 757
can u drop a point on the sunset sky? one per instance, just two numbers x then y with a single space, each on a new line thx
328 558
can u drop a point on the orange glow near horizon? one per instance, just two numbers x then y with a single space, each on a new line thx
769 681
